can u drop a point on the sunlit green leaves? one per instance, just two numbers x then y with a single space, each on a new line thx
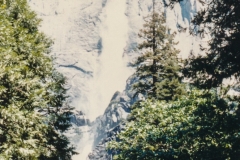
189 128
32 96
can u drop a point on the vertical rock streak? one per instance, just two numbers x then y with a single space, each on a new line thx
112 73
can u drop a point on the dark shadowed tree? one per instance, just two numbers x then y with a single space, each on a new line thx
220 20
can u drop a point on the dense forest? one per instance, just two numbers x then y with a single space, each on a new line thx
194 120
186 113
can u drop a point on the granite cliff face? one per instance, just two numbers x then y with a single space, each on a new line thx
74 27
93 43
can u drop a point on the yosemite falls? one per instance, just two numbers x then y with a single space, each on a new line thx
94 41
112 72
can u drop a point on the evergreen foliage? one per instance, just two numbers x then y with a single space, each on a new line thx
221 20
33 112
158 67
199 126
205 123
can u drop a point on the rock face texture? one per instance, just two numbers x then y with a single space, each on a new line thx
79 119
116 112
100 153
74 27
80 30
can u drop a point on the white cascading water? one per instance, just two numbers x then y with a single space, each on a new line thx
112 72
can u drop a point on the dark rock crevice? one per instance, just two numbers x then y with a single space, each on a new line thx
77 68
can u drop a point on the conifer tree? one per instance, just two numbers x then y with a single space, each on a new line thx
33 112
220 20
158 66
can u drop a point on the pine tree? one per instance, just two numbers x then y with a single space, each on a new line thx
33 112
158 67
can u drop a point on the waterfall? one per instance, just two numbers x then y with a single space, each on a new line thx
111 73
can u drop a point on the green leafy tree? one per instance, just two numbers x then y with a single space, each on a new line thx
33 109
158 67
199 126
